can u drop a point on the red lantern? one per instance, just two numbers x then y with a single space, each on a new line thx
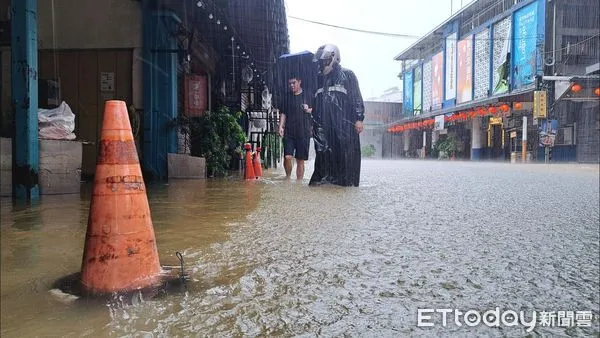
518 106
597 91
576 88
492 110
504 107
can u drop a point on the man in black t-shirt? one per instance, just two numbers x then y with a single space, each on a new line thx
295 126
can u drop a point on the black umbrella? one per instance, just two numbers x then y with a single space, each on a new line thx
296 64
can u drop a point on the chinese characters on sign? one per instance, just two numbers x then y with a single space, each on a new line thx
451 66
437 89
195 95
548 131
107 82
525 55
464 70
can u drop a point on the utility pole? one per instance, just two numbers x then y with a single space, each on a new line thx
24 86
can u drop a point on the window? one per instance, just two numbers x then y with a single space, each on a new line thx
580 15
565 136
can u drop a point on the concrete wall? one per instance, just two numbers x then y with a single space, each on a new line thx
373 135
377 114
382 112
89 24
588 133
585 14
185 166
5 84
5 167
60 167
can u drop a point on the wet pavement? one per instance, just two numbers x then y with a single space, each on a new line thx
280 258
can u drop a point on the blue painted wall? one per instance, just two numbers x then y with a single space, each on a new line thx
160 90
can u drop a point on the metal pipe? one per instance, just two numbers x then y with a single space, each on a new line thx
557 78
554 40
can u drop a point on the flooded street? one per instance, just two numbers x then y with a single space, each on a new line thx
280 258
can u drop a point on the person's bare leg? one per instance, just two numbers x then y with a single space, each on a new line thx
287 165
299 169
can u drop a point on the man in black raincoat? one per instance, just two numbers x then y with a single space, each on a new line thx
338 120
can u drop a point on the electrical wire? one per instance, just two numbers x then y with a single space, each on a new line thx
575 44
356 29
398 35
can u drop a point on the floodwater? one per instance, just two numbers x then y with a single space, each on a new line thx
280 258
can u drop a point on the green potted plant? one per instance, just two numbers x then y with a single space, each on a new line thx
217 136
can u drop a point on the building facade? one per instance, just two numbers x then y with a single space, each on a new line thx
377 115
506 80
164 58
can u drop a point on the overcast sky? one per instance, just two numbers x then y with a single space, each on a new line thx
371 57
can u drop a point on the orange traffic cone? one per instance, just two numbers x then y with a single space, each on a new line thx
257 164
249 173
120 251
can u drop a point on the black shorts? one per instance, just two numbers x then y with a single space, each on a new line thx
296 146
